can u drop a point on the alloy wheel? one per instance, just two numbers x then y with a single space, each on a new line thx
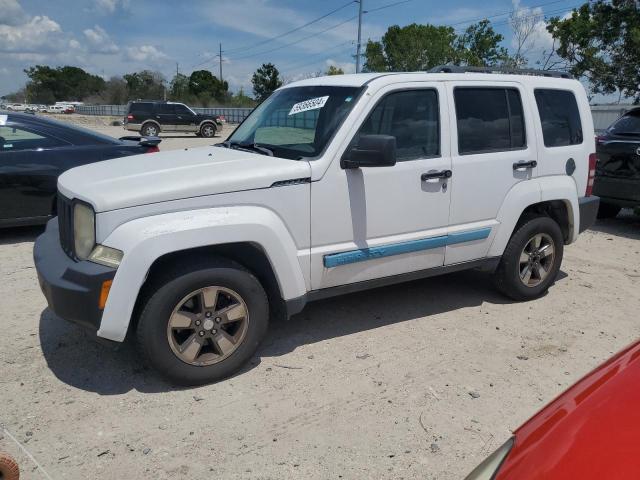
536 260
208 325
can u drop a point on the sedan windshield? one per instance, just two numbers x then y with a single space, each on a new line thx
295 122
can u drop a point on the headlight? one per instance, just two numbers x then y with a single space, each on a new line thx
488 469
84 231
107 256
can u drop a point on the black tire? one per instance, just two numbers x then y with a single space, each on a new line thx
208 130
150 130
608 210
507 276
166 294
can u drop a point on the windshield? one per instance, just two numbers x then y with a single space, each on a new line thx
296 122
627 125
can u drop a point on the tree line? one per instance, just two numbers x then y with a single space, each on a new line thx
599 43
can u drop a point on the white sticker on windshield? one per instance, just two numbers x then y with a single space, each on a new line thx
311 104
3 119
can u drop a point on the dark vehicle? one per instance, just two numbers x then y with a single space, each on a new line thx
34 151
152 117
617 180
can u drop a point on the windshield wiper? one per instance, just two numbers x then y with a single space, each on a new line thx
247 147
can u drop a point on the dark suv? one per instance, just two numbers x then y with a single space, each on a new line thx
617 180
152 117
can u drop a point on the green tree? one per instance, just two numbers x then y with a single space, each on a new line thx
145 85
479 46
333 70
411 48
48 85
240 99
179 87
265 80
204 85
601 43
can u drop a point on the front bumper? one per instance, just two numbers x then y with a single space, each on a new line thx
72 288
588 211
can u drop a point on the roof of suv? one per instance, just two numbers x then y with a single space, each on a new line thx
360 79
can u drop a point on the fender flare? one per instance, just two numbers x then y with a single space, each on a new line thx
145 240
531 192
212 122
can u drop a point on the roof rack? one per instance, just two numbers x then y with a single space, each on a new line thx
511 71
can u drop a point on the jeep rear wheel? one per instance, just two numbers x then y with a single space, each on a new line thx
149 130
203 323
9 469
208 130
531 261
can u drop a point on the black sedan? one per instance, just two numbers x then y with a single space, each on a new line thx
34 151
617 181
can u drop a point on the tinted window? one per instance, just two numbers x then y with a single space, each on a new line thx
628 125
15 139
141 108
412 117
182 110
560 117
165 109
489 119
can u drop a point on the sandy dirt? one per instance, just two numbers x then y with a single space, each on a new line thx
419 380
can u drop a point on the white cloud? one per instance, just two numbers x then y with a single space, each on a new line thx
110 6
99 41
11 13
38 35
145 54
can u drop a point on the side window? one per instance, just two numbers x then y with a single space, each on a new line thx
15 139
165 109
182 110
560 117
141 108
412 117
489 119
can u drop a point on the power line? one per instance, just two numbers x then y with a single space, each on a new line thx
318 57
250 47
389 5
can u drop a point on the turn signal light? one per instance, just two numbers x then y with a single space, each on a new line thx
104 293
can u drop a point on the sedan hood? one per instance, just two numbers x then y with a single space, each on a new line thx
173 175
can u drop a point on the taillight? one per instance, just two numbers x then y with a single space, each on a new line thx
129 117
153 149
592 174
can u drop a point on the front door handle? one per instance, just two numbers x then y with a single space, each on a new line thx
440 174
525 165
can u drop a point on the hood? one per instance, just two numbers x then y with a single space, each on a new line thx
173 175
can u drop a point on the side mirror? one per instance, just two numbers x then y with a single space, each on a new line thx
371 151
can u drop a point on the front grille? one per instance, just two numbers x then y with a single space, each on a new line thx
65 224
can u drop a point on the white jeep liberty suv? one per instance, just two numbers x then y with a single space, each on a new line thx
331 185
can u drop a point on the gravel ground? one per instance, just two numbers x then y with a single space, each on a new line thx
419 380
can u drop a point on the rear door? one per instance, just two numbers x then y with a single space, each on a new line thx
492 133
166 115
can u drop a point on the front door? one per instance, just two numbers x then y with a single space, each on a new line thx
383 221
185 119
493 143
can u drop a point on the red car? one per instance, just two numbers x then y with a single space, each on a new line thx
591 431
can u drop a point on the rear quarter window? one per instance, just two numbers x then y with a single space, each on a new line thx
559 116
141 108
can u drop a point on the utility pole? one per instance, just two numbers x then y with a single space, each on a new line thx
359 35
221 62
177 69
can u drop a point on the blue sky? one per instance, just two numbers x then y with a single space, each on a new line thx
113 37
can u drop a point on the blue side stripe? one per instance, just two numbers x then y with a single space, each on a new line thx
361 255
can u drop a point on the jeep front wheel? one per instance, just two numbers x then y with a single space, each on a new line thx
203 324
531 261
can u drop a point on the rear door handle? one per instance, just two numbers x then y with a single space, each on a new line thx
525 165
440 174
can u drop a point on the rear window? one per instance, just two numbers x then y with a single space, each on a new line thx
489 119
560 117
141 108
628 125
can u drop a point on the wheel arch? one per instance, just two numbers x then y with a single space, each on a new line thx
146 122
